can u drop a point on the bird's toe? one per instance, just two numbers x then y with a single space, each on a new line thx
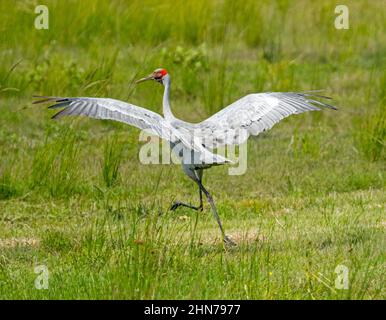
229 242
175 206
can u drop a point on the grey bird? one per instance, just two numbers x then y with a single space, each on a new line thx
250 115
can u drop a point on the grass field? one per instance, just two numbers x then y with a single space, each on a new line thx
75 198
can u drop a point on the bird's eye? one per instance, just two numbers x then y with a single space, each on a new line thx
158 77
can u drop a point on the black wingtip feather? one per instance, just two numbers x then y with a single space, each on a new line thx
63 103
59 114
323 104
43 100
311 94
48 99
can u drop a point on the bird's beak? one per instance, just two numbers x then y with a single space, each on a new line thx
150 77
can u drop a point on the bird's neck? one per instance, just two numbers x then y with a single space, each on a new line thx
165 102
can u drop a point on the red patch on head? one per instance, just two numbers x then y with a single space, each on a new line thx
163 72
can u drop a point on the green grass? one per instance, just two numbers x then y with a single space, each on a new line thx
74 196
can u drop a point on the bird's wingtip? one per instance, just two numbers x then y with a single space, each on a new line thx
42 99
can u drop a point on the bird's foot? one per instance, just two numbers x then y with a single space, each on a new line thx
229 242
175 205
178 204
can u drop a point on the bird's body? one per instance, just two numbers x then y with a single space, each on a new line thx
193 143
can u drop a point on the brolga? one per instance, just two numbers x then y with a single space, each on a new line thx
193 143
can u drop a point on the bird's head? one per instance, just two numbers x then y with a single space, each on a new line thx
159 75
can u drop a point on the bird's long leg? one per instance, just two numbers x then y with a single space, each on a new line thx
197 176
199 173
226 239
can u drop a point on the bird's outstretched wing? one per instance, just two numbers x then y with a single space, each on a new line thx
254 114
111 109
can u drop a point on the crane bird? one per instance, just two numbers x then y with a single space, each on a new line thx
251 115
